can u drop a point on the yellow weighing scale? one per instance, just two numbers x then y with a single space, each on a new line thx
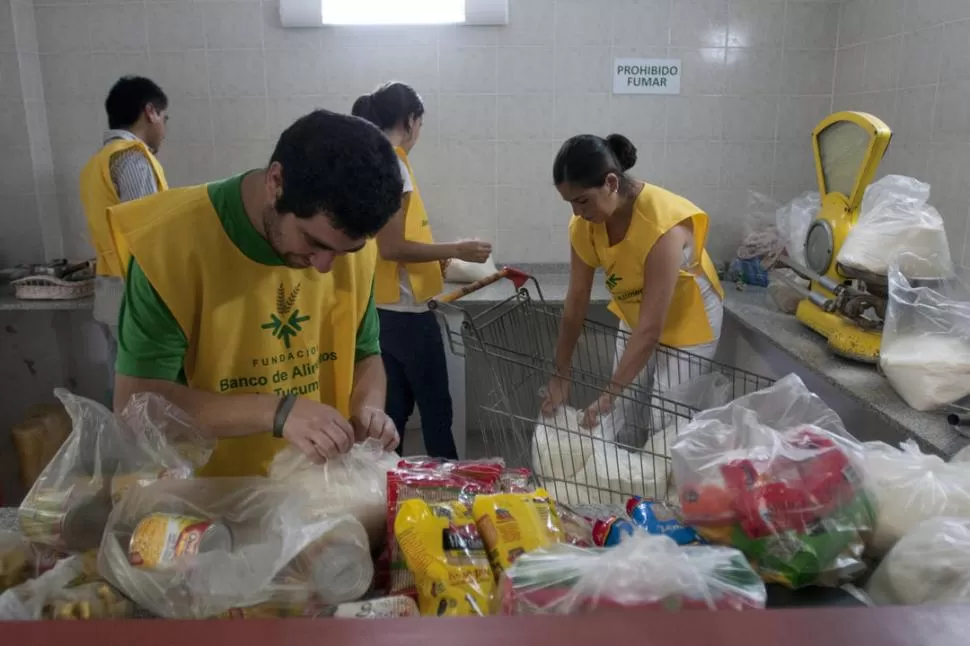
844 305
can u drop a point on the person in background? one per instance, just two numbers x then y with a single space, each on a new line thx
650 244
249 301
124 169
409 273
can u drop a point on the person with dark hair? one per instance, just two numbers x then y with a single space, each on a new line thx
409 273
664 287
249 301
124 169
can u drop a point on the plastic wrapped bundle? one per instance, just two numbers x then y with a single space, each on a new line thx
775 474
196 548
644 572
560 446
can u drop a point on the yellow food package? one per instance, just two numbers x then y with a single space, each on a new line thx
512 524
444 552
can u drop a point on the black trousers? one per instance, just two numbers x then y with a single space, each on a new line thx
417 373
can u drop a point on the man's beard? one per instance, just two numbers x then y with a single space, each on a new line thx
274 236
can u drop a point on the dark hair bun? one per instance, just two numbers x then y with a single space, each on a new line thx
624 151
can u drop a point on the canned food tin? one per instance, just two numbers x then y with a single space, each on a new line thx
159 540
341 571
70 519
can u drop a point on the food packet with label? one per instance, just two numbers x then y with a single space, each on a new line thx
512 524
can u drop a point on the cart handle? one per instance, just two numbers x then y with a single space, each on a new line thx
518 278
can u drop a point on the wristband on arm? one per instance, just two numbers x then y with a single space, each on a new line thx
282 412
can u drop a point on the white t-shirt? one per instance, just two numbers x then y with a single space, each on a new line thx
406 303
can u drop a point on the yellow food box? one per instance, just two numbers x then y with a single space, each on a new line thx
512 524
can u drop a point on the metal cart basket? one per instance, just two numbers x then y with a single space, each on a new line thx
628 452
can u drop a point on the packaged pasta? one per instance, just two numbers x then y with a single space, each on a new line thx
444 552
512 524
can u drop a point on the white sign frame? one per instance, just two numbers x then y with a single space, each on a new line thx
646 75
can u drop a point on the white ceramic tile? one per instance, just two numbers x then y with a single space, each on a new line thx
747 165
16 177
794 163
640 118
524 117
914 114
10 87
378 35
467 69
351 71
852 22
25 26
880 104
467 116
525 163
580 22
190 121
798 116
753 71
639 22
462 163
523 243
23 228
884 18
31 76
107 68
236 73
583 69
688 163
69 158
954 207
233 159
416 65
756 23
952 115
175 26
651 162
702 70
181 74
906 159
63 29
524 208
461 209
811 25
240 119
947 166
532 22
925 13
8 42
698 117
118 27
49 216
808 72
276 37
189 164
850 70
698 23
750 118
67 77
526 69
13 125
581 113
233 25
882 64
920 58
293 73
432 120
956 51
284 111
81 123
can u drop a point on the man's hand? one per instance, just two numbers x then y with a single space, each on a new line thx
374 422
555 395
474 251
318 430
602 406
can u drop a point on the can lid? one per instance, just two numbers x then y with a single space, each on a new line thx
342 572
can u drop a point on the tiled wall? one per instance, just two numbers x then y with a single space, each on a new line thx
757 75
908 62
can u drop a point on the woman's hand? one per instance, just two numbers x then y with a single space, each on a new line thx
555 395
473 251
602 405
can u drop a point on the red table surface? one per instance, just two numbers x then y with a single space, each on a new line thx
939 626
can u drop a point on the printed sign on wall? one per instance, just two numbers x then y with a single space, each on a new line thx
646 76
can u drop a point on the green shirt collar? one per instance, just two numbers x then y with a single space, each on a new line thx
226 198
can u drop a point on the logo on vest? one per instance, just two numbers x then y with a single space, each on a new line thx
612 281
286 322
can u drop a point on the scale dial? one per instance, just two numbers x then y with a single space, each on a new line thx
819 246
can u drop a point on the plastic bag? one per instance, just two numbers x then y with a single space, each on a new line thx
775 474
16 560
207 545
354 483
560 446
925 351
643 572
461 271
759 232
71 590
931 564
909 487
894 218
151 439
793 221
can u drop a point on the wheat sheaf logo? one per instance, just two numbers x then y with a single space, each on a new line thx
286 322
612 281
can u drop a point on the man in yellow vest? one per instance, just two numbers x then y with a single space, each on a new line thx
124 169
249 301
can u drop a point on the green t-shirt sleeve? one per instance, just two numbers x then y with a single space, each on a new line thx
368 332
151 344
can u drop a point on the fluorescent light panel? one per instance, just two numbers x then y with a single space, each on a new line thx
392 12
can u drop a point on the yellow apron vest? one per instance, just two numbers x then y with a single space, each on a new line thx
425 277
656 211
251 328
98 193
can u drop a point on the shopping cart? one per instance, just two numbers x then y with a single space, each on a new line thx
628 452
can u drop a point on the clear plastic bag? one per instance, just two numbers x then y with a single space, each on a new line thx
925 351
644 572
151 439
931 564
354 483
461 271
204 546
775 474
894 217
759 232
793 221
909 487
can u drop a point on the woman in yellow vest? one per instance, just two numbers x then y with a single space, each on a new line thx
650 244
408 275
